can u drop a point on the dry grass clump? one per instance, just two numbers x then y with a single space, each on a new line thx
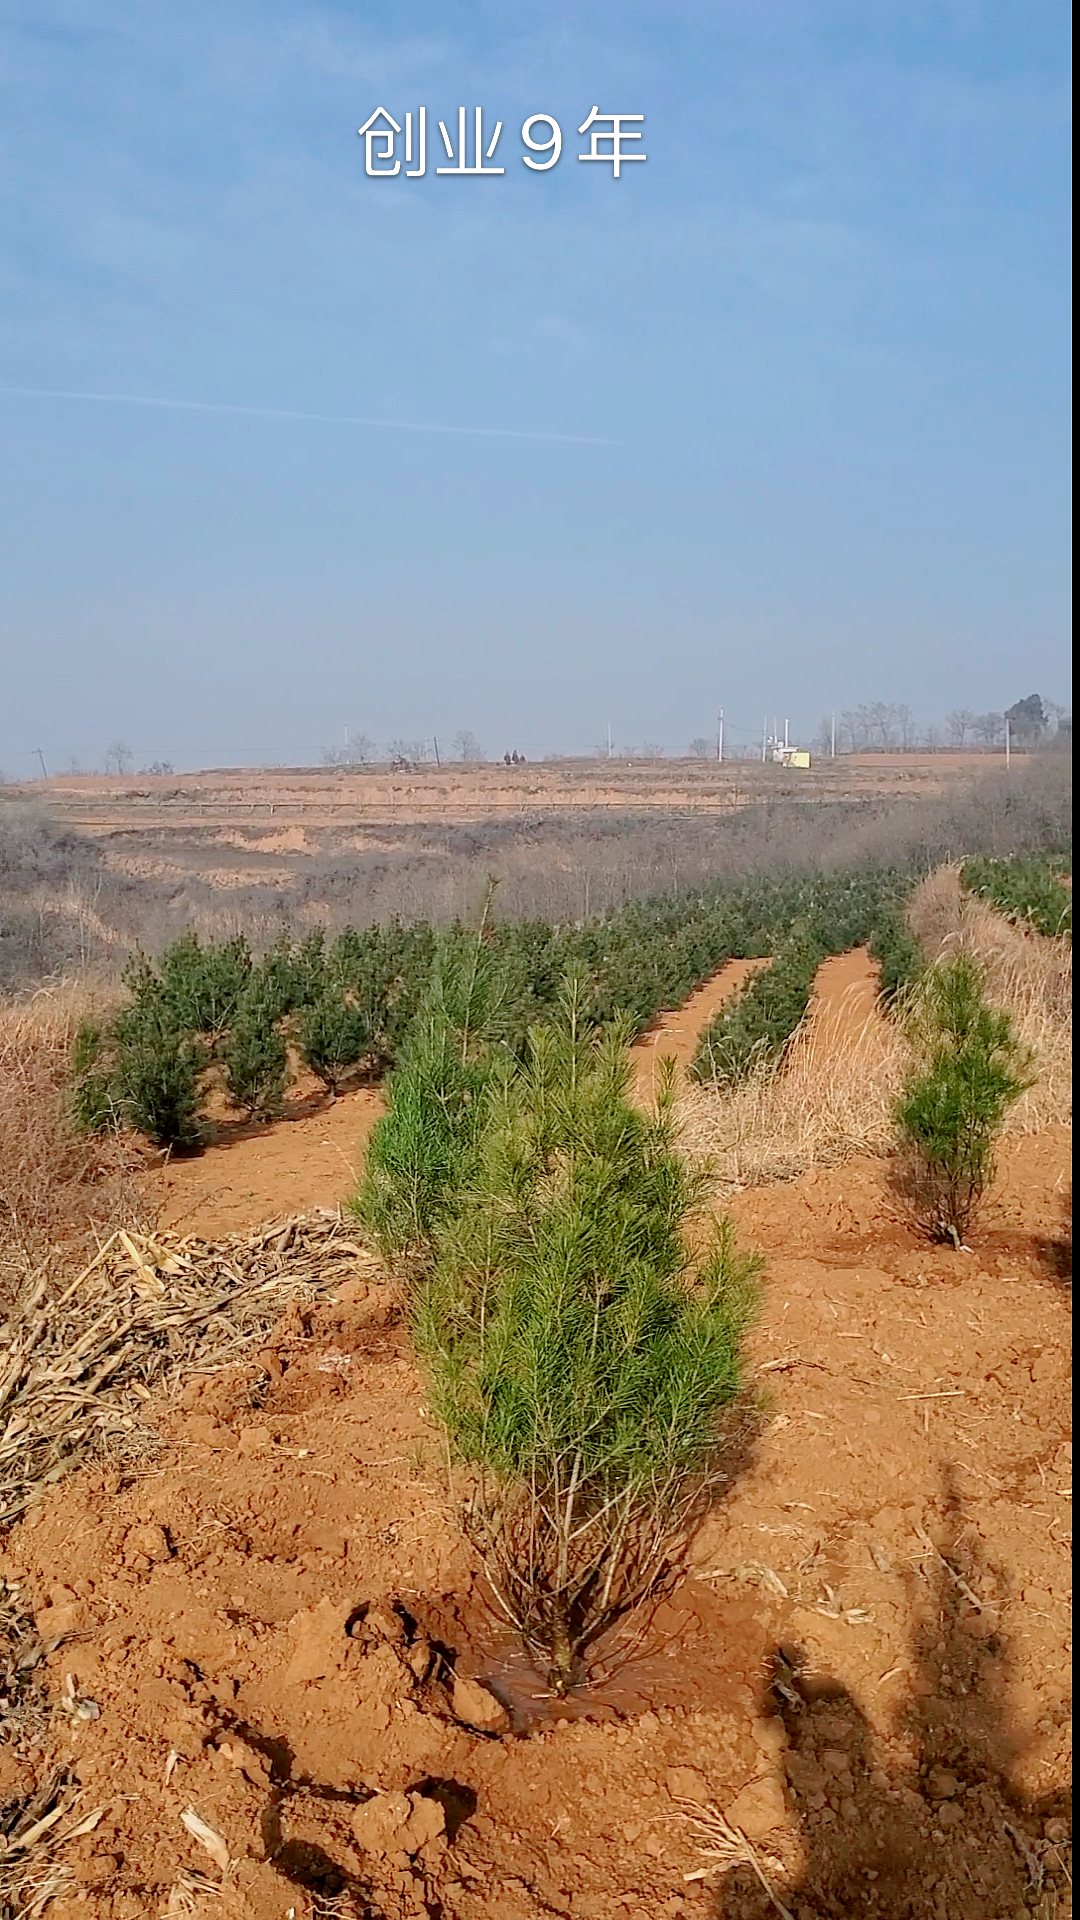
829 1097
81 1357
833 1092
56 1185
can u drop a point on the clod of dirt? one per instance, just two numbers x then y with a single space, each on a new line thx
760 1808
382 1622
397 1825
475 1707
321 1643
147 1543
686 1783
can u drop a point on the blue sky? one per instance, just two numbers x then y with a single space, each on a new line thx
776 421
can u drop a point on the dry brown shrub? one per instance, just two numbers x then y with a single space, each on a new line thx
832 1095
57 1186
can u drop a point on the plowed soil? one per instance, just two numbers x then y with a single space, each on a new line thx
271 1616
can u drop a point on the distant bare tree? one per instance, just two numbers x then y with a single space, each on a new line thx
465 746
988 728
118 758
881 724
932 739
851 728
414 751
357 750
905 721
649 750
702 749
958 726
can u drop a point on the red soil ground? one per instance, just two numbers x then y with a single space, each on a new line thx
675 1035
866 1667
250 1173
311 1157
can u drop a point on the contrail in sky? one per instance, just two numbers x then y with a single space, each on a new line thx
319 419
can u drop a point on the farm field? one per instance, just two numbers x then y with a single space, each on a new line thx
866 1667
287 798
917 1404
254 1668
91 868
266 828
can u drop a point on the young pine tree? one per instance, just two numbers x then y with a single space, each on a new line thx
159 1070
580 1356
421 1154
255 1059
970 1067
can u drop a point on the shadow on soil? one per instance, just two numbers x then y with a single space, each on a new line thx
946 1837
1055 1251
230 1130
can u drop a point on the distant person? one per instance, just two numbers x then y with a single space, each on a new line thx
507 759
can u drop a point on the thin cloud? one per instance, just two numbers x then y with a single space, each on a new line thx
316 419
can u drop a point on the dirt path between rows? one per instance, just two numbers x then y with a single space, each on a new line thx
312 1156
845 991
675 1035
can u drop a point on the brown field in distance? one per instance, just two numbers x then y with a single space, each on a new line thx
315 796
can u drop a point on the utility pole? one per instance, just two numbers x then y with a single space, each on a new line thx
609 739
832 749
435 744
786 735
1008 744
764 738
720 736
45 770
